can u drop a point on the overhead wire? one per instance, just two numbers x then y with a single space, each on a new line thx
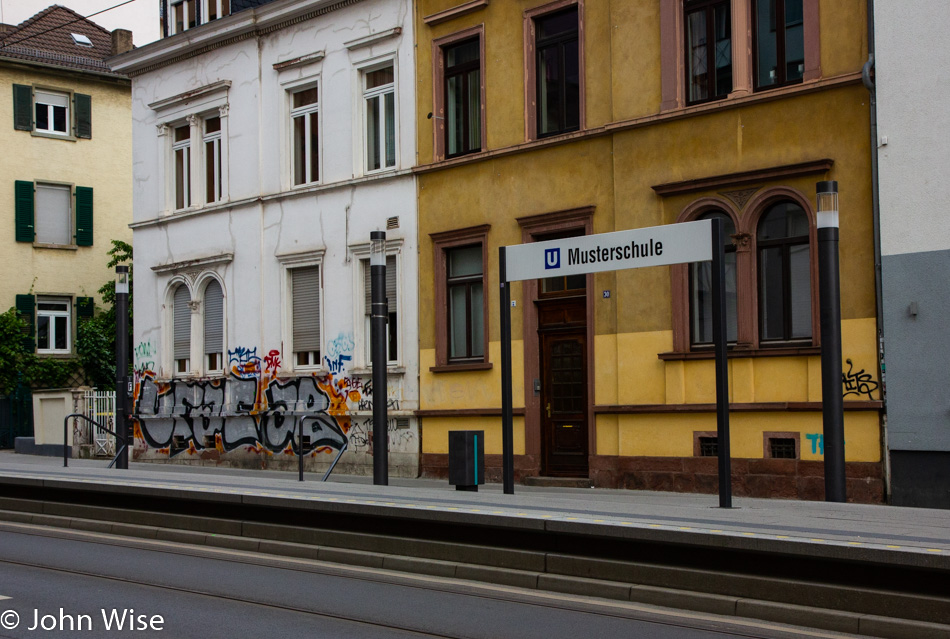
4 44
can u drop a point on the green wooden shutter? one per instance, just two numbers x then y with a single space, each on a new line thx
26 309
22 107
23 207
83 216
83 104
85 307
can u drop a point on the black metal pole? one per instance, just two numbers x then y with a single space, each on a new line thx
122 364
300 421
378 316
720 338
829 293
507 428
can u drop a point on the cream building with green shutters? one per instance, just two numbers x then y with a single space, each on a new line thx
65 170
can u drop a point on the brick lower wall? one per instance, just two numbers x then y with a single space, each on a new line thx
766 478
784 478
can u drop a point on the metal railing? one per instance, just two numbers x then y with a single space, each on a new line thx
346 443
97 425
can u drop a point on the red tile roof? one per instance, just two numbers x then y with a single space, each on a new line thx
47 38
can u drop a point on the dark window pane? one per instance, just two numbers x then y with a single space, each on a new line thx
300 149
799 270
314 147
478 321
458 333
379 77
794 41
723 34
697 55
766 43
390 115
303 98
59 119
61 332
771 298
782 448
372 133
708 446
42 332
549 97
465 261
459 54
473 106
213 125
561 23
182 133
42 116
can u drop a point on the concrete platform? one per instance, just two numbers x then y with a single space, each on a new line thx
885 534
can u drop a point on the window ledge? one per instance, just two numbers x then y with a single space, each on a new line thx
53 136
734 353
61 247
454 368
55 354
390 370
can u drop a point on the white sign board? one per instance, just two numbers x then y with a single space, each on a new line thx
653 246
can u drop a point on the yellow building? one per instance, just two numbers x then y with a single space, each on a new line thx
545 120
66 136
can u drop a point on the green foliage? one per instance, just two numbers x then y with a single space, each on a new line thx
95 339
18 364
13 354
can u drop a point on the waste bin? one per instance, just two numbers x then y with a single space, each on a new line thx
466 459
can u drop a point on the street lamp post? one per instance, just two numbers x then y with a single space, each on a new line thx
829 293
122 363
379 315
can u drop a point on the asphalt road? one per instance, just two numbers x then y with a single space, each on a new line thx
205 593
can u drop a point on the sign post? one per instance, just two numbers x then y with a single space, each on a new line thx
700 241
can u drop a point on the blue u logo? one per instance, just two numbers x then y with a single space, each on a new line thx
552 258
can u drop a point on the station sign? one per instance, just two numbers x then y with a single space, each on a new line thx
652 246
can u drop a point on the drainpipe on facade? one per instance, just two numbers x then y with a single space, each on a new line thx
866 76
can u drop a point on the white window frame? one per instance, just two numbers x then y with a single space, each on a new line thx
289 262
52 315
70 213
365 97
186 147
361 338
216 140
206 5
49 111
198 328
169 329
305 112
184 23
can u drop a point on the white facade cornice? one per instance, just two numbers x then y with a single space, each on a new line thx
239 26
373 38
183 98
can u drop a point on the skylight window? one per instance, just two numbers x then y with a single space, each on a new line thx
81 40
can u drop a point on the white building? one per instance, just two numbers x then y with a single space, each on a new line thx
915 244
268 144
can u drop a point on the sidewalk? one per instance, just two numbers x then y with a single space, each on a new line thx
905 535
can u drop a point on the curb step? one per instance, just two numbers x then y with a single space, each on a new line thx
197 531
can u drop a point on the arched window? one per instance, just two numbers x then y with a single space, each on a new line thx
182 330
700 289
784 273
213 327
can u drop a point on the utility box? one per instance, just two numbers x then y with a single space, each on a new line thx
466 459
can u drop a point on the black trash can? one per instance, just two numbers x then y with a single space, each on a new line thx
466 459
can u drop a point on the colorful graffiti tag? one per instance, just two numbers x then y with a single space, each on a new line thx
252 408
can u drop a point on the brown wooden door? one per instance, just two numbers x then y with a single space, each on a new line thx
564 402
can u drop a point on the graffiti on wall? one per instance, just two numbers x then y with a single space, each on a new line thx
253 408
858 383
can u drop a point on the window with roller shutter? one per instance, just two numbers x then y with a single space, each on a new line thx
214 327
305 293
181 312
